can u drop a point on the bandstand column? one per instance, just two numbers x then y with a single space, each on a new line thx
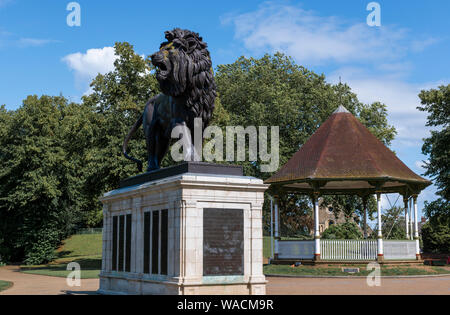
405 200
271 228
365 199
411 229
416 228
277 224
380 233
315 199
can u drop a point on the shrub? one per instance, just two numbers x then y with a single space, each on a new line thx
345 231
436 238
42 249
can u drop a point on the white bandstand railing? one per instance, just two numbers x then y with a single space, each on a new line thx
296 249
348 250
399 250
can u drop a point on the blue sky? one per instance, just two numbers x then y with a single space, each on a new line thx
41 54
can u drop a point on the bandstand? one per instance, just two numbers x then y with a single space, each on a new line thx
344 158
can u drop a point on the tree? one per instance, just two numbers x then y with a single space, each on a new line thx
393 224
435 233
436 238
437 103
350 205
58 158
118 99
344 231
274 91
5 118
296 216
40 200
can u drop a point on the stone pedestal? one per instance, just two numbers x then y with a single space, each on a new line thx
195 229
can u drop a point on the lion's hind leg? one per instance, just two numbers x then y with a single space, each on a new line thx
162 147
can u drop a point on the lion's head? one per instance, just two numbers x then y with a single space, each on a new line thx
184 68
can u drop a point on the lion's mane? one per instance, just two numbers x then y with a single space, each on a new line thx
192 74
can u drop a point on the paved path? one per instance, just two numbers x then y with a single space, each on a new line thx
42 285
403 286
26 284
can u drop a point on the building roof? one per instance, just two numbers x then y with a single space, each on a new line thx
344 157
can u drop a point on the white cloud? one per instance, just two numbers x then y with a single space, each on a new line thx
8 39
33 42
400 97
312 39
420 45
373 61
421 165
88 65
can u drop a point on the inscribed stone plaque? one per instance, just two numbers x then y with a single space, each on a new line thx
121 241
223 242
128 244
155 243
164 240
115 243
147 221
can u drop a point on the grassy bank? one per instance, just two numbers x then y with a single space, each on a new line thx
266 246
83 249
5 285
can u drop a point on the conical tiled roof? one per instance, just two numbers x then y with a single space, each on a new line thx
343 156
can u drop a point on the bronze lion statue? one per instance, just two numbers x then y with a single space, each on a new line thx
185 75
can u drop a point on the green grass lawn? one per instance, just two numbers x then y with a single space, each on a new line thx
336 270
266 246
5 285
83 249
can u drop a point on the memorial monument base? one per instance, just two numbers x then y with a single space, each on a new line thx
191 229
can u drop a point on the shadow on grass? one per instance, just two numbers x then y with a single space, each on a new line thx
85 264
89 267
64 254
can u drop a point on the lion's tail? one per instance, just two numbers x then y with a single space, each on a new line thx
127 140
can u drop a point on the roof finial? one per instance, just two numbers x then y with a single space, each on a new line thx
341 108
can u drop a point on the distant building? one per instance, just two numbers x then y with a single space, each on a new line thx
422 221
327 217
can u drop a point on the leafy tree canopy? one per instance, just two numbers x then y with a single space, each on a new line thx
41 152
393 224
436 238
436 233
437 103
344 231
